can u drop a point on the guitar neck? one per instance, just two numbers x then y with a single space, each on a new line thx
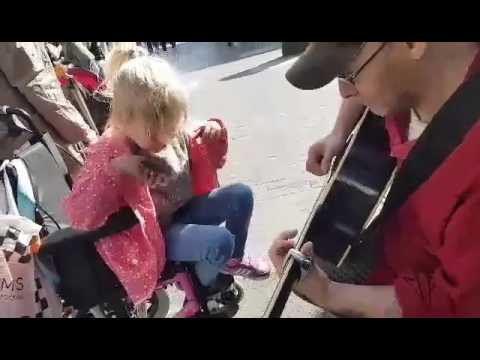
291 274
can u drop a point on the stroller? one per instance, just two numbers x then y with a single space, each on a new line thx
95 290
85 90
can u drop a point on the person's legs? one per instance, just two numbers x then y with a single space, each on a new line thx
210 247
231 204
150 47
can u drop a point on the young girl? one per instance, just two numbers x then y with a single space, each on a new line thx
120 54
180 210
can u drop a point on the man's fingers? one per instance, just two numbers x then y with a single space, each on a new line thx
314 167
316 155
288 234
307 249
283 243
326 163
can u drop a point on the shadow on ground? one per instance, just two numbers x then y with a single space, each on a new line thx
193 56
257 69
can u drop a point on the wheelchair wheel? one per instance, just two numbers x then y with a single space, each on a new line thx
227 312
224 304
152 306
233 295
159 305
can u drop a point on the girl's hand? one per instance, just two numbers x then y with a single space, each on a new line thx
155 176
155 179
128 165
91 137
213 132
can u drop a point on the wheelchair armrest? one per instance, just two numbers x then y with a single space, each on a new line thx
116 223
63 238
122 220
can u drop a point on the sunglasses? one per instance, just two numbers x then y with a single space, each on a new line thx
350 79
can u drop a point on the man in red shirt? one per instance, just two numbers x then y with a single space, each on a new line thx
430 262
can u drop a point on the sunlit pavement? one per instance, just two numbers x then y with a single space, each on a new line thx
271 126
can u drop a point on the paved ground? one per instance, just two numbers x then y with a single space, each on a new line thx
194 56
271 125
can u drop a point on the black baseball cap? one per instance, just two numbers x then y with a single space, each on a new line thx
321 63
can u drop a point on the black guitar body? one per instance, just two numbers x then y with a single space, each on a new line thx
353 192
346 204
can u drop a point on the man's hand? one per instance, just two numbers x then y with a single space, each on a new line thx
315 281
280 247
320 154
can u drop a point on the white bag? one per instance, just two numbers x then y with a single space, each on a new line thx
23 292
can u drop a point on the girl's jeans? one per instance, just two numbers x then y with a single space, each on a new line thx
195 235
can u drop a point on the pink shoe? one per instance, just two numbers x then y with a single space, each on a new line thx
253 269
189 310
191 307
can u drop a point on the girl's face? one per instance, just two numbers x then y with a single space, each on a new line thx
140 134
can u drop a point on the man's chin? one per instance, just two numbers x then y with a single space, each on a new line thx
379 111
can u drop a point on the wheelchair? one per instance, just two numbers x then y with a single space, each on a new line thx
98 291
68 258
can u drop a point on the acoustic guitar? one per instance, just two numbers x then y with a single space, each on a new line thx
349 202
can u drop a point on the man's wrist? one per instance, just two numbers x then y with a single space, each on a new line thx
314 289
336 298
347 300
341 133
332 295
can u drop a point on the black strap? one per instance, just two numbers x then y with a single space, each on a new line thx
440 139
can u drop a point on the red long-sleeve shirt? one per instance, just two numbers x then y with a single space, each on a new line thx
432 244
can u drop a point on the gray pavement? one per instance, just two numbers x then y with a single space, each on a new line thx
271 125
194 56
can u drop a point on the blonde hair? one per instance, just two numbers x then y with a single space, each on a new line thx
149 89
121 52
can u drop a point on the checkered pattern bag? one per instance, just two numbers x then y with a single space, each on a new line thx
23 292
11 244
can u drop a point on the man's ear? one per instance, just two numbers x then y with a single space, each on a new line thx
417 49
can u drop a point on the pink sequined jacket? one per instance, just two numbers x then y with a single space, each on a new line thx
136 256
